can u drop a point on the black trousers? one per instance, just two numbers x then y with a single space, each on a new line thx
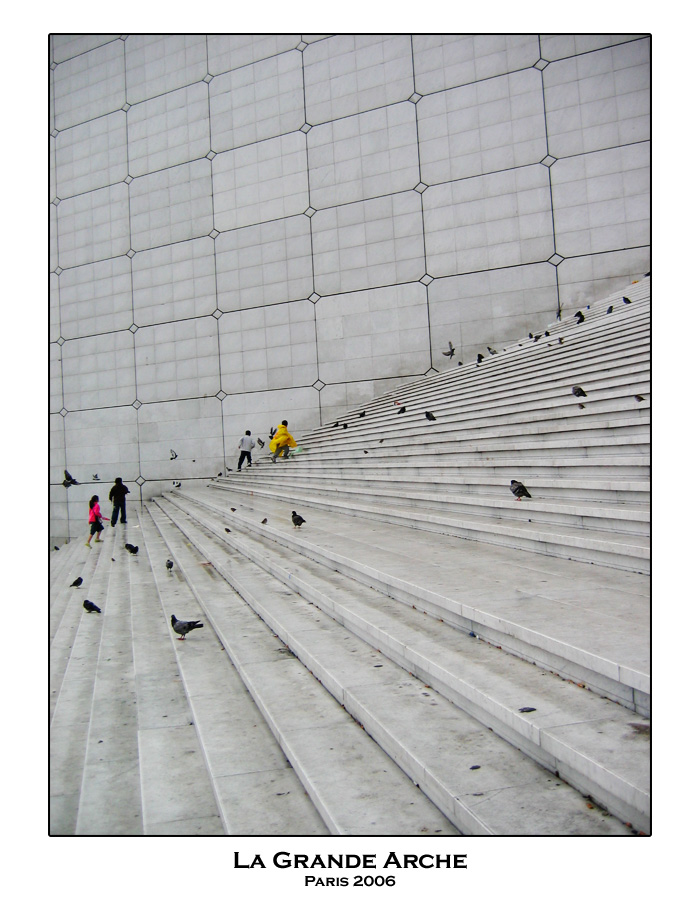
244 454
119 507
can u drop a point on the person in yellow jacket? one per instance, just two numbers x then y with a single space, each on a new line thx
281 442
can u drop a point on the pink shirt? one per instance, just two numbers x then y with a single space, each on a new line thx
95 514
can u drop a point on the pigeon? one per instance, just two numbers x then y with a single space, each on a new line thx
561 340
345 424
492 351
537 337
525 709
264 522
69 480
297 519
173 454
335 424
77 582
479 358
581 406
578 391
272 432
133 550
261 443
95 477
364 451
609 310
579 316
55 548
169 564
626 300
90 606
449 353
637 397
430 417
519 489
546 334
183 628
227 530
233 509
229 470
361 415
220 475
177 484
402 410
530 334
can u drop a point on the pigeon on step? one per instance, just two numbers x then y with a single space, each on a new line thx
133 550
626 300
77 582
492 351
169 564
402 410
90 606
183 628
579 316
479 358
430 417
609 310
578 391
297 519
519 489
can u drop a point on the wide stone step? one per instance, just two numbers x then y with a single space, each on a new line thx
479 588
427 735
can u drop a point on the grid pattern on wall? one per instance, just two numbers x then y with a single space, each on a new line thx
245 228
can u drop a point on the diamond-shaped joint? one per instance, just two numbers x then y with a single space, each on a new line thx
57 270
548 160
208 78
133 328
61 341
426 279
54 133
131 253
56 201
217 314
211 154
126 107
319 385
128 179
63 412
302 45
541 64
420 187
213 234
555 259
306 128
309 212
415 97
221 395
137 404
140 480
314 298
53 66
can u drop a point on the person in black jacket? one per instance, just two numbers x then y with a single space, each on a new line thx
118 496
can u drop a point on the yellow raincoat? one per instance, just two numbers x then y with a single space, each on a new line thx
282 438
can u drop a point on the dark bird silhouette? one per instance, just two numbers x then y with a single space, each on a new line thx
430 417
133 550
95 477
90 606
525 709
78 581
479 358
364 451
519 489
609 310
272 432
361 415
402 410
578 391
345 424
579 316
228 470
492 351
381 441
220 475
183 628
261 443
335 424
449 353
530 334
626 300
581 406
297 519
69 480
638 398
264 522
227 530
561 340
546 334
169 564
233 509
173 454
177 484
537 337
55 547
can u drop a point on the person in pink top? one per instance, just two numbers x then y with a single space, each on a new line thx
94 518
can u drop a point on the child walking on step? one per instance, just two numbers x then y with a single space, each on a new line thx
94 518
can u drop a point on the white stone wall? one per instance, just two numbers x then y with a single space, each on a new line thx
246 228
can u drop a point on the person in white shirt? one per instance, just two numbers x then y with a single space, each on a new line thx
245 445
